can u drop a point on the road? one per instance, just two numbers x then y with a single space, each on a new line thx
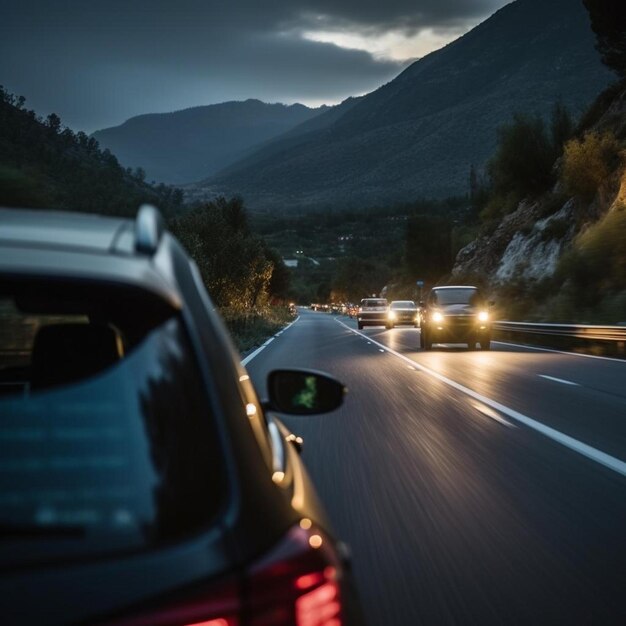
473 487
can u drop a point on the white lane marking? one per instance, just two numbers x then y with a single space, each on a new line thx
598 456
381 350
260 349
585 356
494 415
410 367
558 380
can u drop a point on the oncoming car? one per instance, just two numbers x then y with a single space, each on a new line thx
372 312
402 312
142 480
456 314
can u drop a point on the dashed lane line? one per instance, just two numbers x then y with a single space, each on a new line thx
558 380
608 461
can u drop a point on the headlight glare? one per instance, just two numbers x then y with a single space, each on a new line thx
483 316
391 315
437 317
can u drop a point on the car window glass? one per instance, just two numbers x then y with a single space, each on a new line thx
120 459
446 297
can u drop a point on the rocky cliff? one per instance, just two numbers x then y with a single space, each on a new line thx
557 247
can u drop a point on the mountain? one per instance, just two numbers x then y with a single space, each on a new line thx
418 135
188 145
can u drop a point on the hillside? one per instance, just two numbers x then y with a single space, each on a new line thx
561 256
418 135
45 165
185 146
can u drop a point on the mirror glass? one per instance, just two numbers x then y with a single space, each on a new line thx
299 392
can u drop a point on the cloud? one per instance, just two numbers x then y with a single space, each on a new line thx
96 63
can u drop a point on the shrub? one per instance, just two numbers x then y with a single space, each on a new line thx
588 162
524 158
603 246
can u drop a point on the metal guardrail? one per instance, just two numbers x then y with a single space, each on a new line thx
612 338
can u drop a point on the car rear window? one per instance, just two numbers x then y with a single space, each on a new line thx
403 304
106 434
374 303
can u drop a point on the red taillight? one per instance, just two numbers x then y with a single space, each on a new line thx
215 622
294 585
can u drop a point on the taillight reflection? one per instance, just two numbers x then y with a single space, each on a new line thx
319 607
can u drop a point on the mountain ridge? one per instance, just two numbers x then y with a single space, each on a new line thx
418 135
185 145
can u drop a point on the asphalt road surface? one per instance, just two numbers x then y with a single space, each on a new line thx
473 487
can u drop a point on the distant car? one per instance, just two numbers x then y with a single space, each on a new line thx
402 312
372 312
456 314
142 480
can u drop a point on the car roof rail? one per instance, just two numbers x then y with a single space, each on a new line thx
149 227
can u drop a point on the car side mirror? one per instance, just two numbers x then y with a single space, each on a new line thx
422 304
303 392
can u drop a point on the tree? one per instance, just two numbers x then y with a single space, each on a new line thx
524 157
140 174
561 127
53 122
608 21
358 277
589 162
236 265
428 247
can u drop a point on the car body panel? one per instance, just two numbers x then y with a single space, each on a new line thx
257 511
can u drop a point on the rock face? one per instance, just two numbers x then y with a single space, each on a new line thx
525 246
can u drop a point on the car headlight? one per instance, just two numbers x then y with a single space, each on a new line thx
483 316
391 315
437 317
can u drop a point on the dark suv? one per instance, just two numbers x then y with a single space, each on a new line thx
456 314
141 479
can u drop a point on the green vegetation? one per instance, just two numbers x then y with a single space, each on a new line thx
242 274
523 164
608 21
253 328
46 165
589 284
590 281
348 255
589 162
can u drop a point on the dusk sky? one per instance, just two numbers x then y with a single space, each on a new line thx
98 63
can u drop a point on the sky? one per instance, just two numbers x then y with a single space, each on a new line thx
98 63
